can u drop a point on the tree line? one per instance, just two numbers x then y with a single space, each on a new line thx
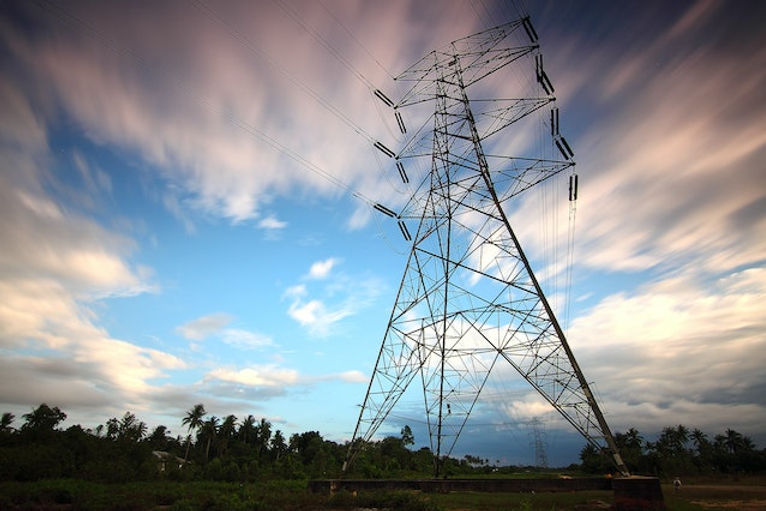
249 449
679 450
210 448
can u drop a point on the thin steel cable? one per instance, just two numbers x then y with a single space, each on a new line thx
356 40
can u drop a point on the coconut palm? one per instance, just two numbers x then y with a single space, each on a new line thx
6 421
194 421
247 429
209 431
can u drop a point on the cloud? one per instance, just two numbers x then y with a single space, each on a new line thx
271 222
679 350
317 317
268 375
213 325
56 265
245 339
669 177
321 269
271 375
66 353
215 107
204 326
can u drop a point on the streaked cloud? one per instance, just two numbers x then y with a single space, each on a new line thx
679 346
204 326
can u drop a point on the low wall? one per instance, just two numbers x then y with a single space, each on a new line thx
449 485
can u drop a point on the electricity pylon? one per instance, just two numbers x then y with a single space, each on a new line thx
469 302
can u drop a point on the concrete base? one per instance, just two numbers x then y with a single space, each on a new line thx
630 493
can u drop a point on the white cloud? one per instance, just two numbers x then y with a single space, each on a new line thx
245 339
321 269
353 377
214 325
55 265
204 326
680 350
271 222
317 317
296 291
268 375
272 375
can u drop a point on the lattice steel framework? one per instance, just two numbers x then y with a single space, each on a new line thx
469 301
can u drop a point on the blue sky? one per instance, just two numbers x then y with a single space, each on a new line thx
158 252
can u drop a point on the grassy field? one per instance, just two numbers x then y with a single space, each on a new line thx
60 495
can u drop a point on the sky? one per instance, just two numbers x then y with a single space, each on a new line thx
178 221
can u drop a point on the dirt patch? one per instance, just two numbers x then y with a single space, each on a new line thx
740 505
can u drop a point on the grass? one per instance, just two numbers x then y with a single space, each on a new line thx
720 494
522 501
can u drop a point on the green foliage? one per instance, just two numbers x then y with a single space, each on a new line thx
679 451
231 451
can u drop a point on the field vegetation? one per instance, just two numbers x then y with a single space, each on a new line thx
232 463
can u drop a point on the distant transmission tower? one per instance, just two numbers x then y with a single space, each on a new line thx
469 303
541 458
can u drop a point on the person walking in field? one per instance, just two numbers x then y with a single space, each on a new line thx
676 484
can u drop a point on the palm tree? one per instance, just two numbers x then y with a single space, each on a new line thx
247 429
263 435
733 441
226 432
700 440
6 421
278 445
194 421
209 430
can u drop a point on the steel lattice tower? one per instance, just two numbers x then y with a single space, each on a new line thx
469 301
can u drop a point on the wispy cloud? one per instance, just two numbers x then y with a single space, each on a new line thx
204 326
272 375
321 269
214 325
679 347
56 263
340 297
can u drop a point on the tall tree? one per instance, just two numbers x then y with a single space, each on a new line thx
262 436
247 429
278 444
194 421
43 418
6 421
209 431
226 433
733 441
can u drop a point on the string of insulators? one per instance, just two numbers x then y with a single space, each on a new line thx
527 24
402 173
387 101
383 149
390 213
405 231
399 165
542 77
573 188
400 122
386 211
561 142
